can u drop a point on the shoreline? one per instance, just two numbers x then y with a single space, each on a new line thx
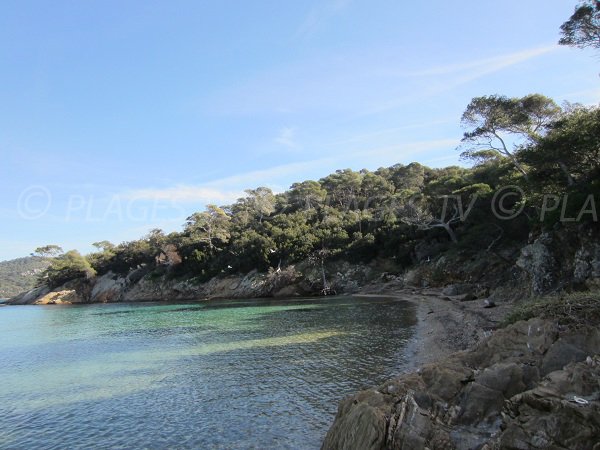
445 325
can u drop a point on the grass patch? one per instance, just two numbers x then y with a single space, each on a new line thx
575 309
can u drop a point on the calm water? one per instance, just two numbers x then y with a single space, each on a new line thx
222 375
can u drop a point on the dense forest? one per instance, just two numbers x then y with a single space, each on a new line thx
535 164
18 275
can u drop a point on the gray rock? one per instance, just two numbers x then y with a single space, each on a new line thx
537 260
461 402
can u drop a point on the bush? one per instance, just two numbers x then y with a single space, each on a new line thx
573 310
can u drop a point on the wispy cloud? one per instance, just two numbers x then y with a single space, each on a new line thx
184 194
319 15
401 152
445 78
484 65
589 97
287 138
228 189
358 84
274 175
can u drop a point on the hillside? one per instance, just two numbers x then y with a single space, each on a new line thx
18 275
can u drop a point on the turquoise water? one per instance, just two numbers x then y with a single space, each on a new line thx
217 375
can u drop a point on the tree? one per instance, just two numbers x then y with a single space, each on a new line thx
307 195
67 267
374 189
344 187
48 251
104 246
261 201
407 178
570 151
420 212
492 119
210 227
293 235
583 27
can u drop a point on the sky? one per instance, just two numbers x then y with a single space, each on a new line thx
117 117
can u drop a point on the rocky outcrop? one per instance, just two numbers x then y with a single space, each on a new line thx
29 297
538 261
563 411
511 391
562 258
145 284
66 296
587 265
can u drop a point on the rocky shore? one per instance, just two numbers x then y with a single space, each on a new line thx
533 384
475 384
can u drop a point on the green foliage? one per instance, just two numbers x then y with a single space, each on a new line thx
494 121
570 153
48 251
583 27
210 227
68 266
19 275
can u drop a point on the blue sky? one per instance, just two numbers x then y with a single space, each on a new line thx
121 116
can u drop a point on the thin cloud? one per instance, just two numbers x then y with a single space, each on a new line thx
287 138
319 15
589 97
272 175
485 65
184 194
405 150
391 131
224 190
451 76
349 84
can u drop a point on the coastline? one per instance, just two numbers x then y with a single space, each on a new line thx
445 325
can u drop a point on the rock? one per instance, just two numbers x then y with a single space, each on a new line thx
537 260
489 303
459 289
29 297
586 265
59 297
461 402
467 298
108 288
483 292
568 349
361 424
549 417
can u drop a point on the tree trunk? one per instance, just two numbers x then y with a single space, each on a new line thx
564 169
